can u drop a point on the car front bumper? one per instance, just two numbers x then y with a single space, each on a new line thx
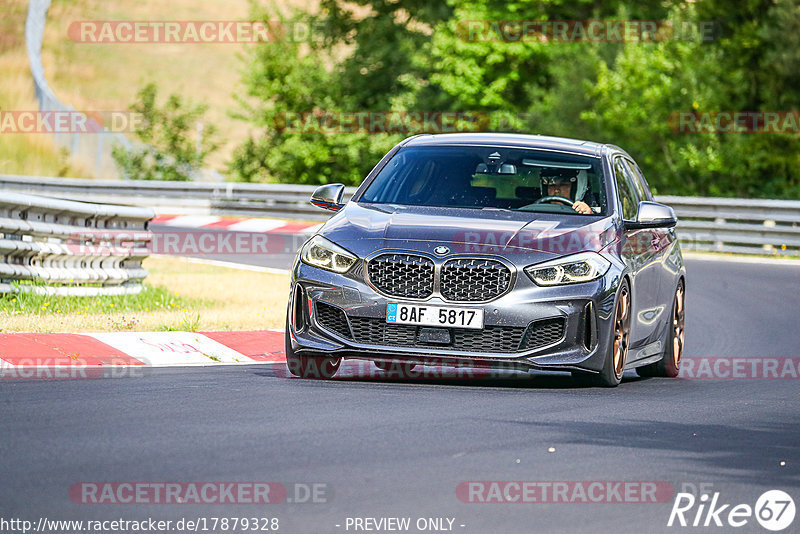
343 316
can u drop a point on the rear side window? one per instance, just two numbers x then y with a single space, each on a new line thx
627 195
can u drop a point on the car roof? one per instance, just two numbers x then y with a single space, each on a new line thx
564 144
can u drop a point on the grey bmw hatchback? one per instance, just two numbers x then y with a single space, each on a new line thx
492 251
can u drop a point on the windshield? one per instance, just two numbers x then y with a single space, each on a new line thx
481 177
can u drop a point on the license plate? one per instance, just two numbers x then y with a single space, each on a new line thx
416 314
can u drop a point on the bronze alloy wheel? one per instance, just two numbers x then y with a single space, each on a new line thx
670 364
616 354
678 313
622 330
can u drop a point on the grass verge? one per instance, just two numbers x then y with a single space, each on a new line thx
178 296
25 153
106 77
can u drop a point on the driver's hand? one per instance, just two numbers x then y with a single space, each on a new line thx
582 207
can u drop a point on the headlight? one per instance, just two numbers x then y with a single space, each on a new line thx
573 269
324 254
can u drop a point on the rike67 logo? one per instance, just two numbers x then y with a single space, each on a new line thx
774 510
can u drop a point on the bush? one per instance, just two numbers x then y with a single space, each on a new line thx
167 148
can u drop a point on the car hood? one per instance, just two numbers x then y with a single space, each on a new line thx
532 237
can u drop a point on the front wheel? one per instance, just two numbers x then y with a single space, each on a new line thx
617 352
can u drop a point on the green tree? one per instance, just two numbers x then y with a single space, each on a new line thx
167 149
359 63
638 97
387 55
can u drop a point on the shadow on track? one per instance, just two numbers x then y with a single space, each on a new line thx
365 373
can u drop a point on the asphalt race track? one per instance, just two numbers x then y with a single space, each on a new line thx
400 448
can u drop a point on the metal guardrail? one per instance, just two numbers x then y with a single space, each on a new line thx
59 247
736 225
189 198
706 224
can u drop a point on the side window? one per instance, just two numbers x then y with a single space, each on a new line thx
638 180
627 195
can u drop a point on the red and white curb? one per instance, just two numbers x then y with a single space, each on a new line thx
236 224
154 349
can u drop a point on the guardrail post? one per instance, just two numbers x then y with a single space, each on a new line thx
768 246
719 245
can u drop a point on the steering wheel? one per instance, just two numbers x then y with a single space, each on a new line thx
563 200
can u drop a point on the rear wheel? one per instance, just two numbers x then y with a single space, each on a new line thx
617 353
670 364
310 366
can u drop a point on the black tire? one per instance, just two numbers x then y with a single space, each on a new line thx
617 352
670 365
319 367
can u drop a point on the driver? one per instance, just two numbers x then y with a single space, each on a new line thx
563 183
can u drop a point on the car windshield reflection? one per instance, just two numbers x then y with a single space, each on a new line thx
481 177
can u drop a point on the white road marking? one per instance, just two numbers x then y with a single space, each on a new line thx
256 225
192 221
162 349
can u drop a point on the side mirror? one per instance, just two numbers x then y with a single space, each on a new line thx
328 197
652 215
